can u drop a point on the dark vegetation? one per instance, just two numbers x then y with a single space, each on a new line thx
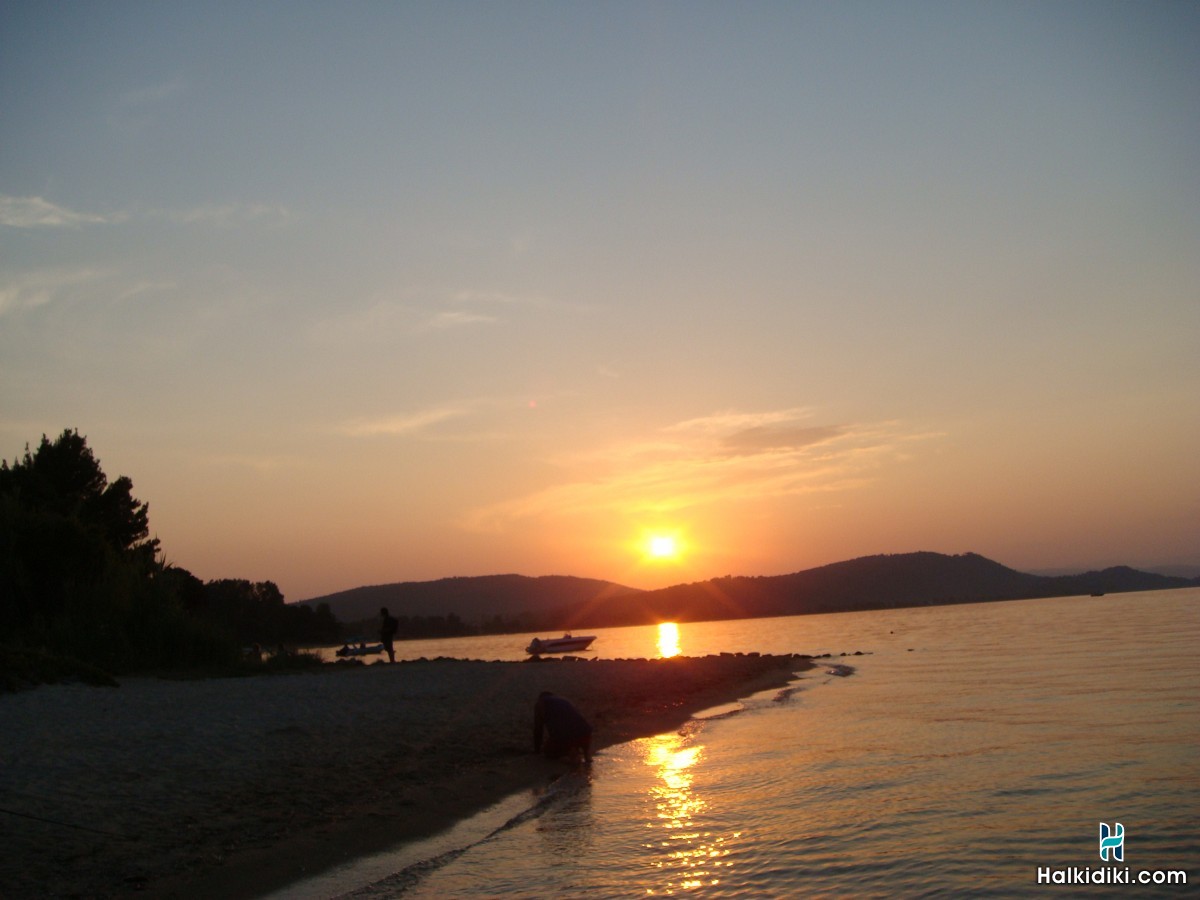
451 625
85 592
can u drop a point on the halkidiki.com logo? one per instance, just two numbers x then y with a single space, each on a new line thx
1112 841
1112 850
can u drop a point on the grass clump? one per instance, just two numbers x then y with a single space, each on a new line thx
24 667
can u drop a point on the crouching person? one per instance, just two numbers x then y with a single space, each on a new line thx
559 729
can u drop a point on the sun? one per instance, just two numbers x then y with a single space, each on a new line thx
663 547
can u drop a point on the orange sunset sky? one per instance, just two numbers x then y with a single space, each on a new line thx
362 293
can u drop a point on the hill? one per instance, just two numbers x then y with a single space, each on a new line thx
871 582
1181 571
475 599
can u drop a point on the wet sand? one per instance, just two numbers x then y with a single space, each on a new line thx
237 787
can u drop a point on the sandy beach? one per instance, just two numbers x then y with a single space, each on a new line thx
235 787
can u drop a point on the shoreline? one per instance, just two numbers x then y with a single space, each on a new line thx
239 787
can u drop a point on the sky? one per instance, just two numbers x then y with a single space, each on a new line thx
358 293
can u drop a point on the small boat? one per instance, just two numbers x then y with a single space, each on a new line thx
359 650
564 644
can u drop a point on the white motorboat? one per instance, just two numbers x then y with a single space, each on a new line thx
565 644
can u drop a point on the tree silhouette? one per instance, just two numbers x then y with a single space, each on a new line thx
64 479
78 570
80 575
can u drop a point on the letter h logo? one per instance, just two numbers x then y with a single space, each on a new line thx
1113 840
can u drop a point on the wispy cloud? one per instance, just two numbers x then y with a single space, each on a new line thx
493 298
388 318
476 419
408 423
36 212
485 298
764 438
140 288
476 307
714 460
729 421
35 289
457 319
226 214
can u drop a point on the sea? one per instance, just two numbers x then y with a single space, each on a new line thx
1012 749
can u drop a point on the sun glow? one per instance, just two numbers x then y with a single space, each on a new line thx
668 639
661 552
663 546
692 855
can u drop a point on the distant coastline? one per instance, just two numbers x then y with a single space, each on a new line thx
517 603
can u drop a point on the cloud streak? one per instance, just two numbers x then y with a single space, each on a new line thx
457 319
387 318
404 424
39 213
225 215
36 212
763 438
710 461
35 289
725 422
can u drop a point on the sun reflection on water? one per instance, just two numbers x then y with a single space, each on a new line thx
668 639
692 857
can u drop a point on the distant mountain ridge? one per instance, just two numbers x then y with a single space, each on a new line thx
870 582
875 582
473 598
1177 571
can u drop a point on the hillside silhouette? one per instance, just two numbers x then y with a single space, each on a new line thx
871 582
476 600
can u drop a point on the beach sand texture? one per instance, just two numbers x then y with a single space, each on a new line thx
234 787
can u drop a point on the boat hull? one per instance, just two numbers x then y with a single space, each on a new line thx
345 652
564 644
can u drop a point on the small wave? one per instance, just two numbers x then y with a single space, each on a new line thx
559 791
724 711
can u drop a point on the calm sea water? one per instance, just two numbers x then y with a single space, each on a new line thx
972 746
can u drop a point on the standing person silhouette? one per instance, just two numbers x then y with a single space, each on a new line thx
387 632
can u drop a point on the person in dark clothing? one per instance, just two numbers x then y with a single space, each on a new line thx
565 730
387 632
